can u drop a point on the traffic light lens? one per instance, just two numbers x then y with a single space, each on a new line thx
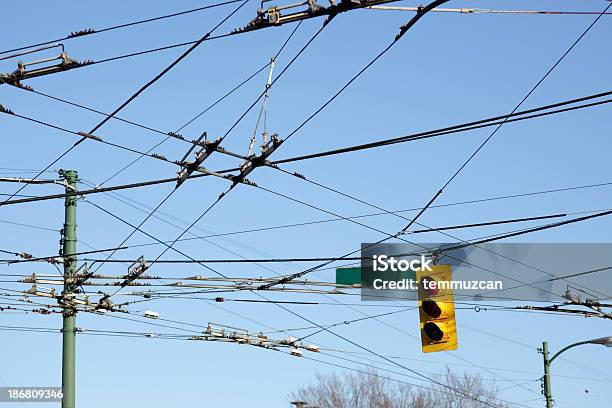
433 331
432 308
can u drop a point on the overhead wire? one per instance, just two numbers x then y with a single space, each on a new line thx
233 185
429 229
464 202
87 32
439 192
298 158
486 140
482 123
137 93
146 127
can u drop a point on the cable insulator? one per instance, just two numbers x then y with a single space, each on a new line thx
6 110
81 33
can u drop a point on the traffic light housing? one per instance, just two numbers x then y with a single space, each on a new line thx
437 309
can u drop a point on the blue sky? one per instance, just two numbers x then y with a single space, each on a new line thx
449 69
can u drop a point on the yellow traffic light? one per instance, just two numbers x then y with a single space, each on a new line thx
437 309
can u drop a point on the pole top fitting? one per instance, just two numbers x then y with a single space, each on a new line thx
69 175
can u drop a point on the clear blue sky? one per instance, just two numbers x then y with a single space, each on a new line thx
450 68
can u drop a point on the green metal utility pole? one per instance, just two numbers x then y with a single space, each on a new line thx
68 251
547 390
604 341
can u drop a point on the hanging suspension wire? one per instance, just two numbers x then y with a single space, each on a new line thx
437 194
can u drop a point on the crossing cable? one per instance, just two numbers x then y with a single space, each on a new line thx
137 93
436 195
243 260
342 337
139 229
175 134
441 249
95 251
289 278
256 293
190 259
403 30
234 184
218 306
330 12
382 357
303 157
241 178
279 76
197 116
434 250
439 230
171 336
482 145
90 31
83 135
329 101
402 139
573 188
483 123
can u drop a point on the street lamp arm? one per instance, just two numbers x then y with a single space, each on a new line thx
580 343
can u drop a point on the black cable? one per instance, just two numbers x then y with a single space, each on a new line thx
289 278
403 30
137 93
482 145
139 229
330 219
483 224
85 32
320 154
439 192
88 136
277 77
197 116
440 230
422 11
530 230
479 124
142 126
173 134
220 196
